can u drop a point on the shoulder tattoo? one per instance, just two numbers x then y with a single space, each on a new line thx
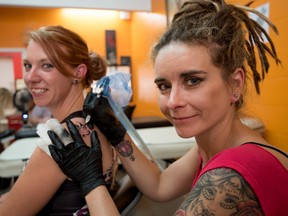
221 191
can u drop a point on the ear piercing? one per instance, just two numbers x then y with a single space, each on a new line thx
75 81
234 99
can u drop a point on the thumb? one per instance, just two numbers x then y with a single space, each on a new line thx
88 98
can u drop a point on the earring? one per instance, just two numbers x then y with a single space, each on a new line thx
234 99
75 81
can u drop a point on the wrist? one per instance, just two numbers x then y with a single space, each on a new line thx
88 186
117 135
99 188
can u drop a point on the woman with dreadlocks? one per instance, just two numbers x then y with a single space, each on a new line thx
200 64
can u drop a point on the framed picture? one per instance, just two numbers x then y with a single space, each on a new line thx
111 55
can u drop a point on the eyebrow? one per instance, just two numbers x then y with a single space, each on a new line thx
183 75
41 60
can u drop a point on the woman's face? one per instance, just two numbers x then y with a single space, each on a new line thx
192 93
47 85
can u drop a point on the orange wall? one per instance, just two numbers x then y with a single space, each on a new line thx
272 105
91 25
136 36
146 28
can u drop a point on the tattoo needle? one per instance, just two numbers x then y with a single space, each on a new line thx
95 90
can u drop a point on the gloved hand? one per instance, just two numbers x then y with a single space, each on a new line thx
77 160
103 116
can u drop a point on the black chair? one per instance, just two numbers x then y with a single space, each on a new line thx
5 134
128 110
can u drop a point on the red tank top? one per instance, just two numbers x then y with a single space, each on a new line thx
262 170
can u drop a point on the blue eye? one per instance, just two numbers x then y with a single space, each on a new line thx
192 81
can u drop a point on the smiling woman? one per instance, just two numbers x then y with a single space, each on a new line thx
56 74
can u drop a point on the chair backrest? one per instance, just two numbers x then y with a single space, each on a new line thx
5 137
128 110
127 195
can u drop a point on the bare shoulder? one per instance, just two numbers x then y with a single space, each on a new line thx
221 191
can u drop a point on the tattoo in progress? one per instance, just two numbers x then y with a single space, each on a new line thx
83 129
221 191
125 149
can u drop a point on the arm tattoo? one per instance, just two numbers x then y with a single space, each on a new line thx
83 129
221 191
125 149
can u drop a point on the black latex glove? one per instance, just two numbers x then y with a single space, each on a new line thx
77 160
102 115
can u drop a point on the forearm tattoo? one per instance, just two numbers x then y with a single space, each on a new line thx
125 149
221 192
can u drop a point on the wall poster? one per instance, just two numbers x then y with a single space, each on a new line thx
111 56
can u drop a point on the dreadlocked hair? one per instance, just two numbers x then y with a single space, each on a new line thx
222 28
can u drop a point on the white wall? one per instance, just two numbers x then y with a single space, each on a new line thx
7 73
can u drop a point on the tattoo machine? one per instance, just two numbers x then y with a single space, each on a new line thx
107 87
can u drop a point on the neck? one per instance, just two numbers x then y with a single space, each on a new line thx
219 138
68 106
